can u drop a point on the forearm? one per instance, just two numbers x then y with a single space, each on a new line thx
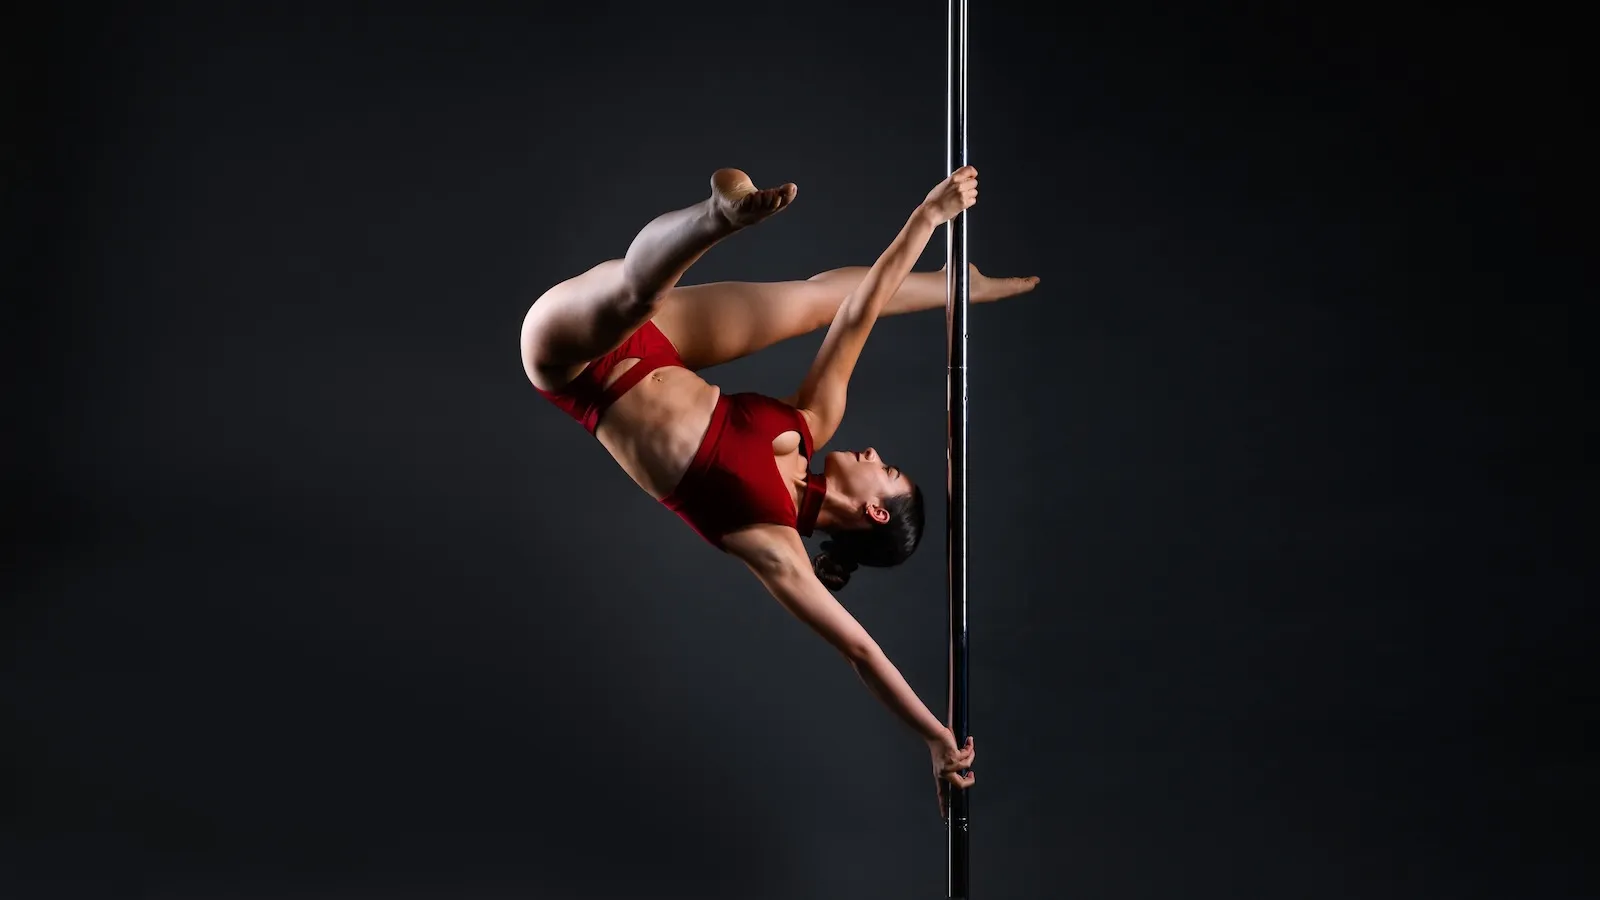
824 388
886 683
777 557
887 275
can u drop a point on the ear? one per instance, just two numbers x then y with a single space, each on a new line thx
877 513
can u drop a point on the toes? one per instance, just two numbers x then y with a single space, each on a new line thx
743 203
769 200
779 197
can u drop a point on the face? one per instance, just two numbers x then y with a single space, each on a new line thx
865 478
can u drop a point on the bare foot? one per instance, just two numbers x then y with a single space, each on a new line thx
739 202
985 289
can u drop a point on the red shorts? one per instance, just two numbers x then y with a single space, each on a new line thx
585 398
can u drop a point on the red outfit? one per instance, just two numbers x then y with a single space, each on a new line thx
733 481
584 398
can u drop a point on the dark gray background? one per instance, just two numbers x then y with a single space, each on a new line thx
1277 585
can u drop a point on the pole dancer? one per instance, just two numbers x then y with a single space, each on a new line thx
957 300
618 347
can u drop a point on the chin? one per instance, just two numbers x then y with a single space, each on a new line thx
832 461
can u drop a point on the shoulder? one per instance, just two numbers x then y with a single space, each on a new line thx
812 423
786 416
808 423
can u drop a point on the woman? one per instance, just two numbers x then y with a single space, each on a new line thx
617 348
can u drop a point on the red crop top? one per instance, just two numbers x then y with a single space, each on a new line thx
734 480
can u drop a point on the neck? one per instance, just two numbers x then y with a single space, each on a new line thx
810 498
836 512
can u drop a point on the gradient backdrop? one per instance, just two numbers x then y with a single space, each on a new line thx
1277 585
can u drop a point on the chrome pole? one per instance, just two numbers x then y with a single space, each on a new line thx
956 303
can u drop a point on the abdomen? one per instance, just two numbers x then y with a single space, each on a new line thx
654 430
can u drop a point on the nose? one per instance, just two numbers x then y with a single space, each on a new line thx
870 453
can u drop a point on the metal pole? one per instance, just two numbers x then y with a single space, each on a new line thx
956 300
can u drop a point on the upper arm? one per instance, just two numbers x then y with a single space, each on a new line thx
822 395
778 559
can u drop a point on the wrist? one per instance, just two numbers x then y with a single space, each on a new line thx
928 216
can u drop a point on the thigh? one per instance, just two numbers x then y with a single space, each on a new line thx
720 322
578 321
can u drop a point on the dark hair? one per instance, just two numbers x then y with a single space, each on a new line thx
889 544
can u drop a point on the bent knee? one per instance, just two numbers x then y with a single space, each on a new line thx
606 294
537 360
633 307
550 345
581 319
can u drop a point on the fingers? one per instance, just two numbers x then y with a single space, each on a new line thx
954 194
955 768
964 181
960 761
962 780
962 177
955 771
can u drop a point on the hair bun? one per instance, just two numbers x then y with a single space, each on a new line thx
832 567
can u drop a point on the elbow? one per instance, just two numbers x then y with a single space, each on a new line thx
864 314
863 651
